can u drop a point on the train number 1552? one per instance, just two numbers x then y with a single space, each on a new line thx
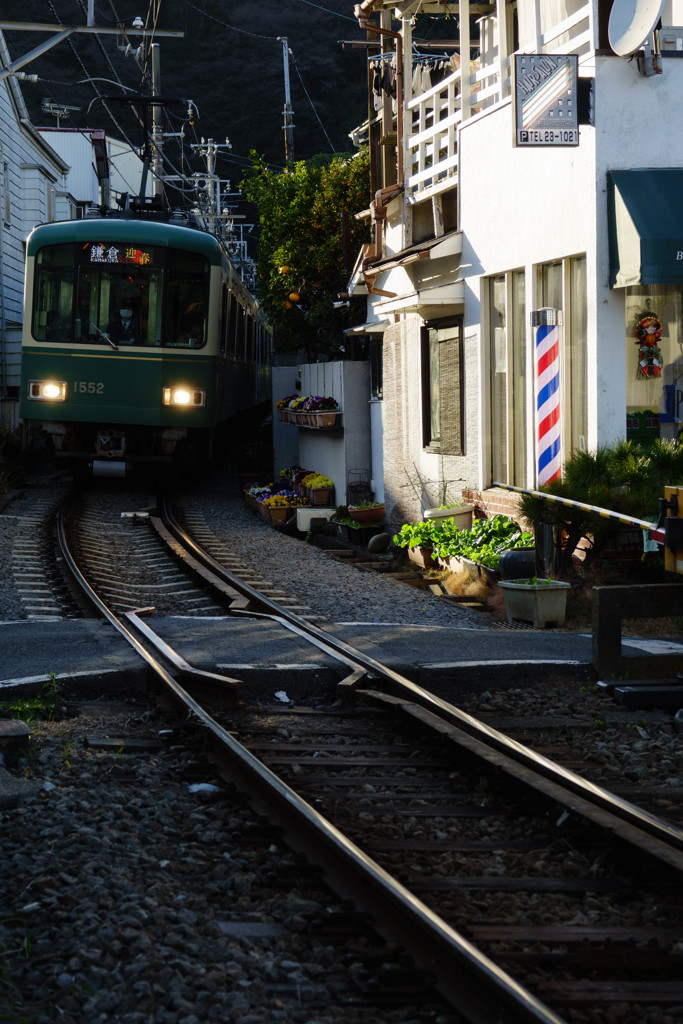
89 387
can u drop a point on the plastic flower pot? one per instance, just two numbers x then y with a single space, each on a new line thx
319 496
422 556
539 602
278 514
367 515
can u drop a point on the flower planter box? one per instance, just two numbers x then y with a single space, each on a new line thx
305 515
367 515
279 515
461 515
423 557
475 570
325 418
538 603
319 496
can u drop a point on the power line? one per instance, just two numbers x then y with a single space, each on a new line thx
346 17
296 66
233 28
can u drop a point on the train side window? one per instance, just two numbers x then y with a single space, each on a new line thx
223 331
239 334
232 326
186 304
249 347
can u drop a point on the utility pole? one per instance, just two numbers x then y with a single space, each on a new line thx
157 137
288 112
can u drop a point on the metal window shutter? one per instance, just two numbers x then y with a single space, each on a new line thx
450 387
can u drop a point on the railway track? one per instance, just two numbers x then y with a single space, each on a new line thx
527 892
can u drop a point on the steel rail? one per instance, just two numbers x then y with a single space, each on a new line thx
641 828
480 990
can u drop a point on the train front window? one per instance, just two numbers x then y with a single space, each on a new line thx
52 320
120 294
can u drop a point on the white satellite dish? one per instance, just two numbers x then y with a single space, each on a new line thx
631 22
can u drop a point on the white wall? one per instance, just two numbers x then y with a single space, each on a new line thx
335 452
29 170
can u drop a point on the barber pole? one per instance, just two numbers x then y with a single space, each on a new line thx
548 422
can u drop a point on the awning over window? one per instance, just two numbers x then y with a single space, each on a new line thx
645 221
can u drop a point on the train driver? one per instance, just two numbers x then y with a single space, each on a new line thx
124 329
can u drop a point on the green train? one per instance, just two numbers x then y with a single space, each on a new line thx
140 342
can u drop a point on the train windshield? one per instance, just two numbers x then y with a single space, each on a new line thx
120 294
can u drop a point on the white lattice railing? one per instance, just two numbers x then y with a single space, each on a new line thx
434 116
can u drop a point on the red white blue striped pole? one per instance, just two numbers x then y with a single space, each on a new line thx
548 407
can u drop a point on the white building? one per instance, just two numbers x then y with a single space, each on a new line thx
33 188
474 234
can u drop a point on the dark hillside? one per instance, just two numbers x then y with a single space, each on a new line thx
230 63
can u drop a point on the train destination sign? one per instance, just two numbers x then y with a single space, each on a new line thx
104 252
545 99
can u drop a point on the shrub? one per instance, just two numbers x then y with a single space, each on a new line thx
625 477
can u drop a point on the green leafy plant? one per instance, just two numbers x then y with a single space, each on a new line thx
425 534
306 218
624 477
48 706
483 543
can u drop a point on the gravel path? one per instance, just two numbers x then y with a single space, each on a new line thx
338 592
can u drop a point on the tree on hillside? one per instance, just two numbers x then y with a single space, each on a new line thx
307 236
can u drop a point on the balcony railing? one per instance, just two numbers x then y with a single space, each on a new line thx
435 115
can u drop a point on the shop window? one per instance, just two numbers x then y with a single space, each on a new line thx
654 387
562 286
442 384
508 377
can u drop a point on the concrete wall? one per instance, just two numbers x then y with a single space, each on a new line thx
338 451
285 436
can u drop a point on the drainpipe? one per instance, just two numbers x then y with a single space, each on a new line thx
362 12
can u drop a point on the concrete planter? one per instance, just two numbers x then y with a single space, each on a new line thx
538 603
475 570
461 515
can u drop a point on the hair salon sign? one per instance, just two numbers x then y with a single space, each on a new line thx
545 100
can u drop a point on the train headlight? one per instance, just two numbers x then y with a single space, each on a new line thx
47 390
185 397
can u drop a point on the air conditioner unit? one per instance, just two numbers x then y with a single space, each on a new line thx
671 41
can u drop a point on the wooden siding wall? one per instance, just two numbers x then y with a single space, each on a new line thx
27 172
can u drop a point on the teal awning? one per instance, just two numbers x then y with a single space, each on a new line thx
645 222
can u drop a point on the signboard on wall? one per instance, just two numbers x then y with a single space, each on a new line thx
545 107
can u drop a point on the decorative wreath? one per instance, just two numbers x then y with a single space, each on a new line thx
647 331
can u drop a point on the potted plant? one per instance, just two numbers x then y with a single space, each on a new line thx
367 512
419 539
322 409
282 406
319 489
535 600
457 511
278 508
